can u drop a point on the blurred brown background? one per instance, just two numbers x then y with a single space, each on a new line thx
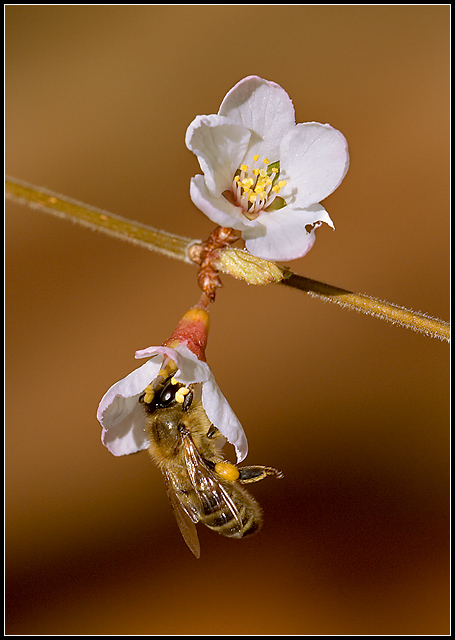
353 410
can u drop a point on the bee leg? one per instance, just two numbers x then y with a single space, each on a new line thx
256 473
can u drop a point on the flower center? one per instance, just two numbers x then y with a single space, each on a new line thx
256 188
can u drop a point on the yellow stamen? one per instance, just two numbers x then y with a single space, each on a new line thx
254 189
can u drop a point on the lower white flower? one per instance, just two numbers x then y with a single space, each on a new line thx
263 174
122 416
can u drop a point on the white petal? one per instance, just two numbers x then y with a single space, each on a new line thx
191 369
121 415
263 107
153 351
221 415
219 210
315 160
128 436
287 237
220 147
110 413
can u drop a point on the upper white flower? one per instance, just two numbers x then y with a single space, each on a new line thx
122 416
263 174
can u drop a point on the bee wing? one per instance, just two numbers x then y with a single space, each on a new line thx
210 492
185 518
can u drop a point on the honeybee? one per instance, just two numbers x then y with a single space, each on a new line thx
202 485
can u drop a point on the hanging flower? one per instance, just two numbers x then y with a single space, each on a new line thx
122 415
263 174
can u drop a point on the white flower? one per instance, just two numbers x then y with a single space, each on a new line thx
122 416
263 174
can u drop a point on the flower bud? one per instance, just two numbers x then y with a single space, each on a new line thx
244 266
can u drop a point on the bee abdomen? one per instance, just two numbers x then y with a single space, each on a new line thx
246 521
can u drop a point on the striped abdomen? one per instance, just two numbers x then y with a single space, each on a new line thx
235 514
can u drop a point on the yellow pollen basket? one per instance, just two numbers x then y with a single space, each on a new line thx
227 471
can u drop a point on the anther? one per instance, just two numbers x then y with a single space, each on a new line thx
180 395
254 189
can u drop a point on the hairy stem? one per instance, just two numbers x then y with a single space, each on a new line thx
177 247
42 199
415 320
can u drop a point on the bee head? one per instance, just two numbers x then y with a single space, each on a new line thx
171 393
